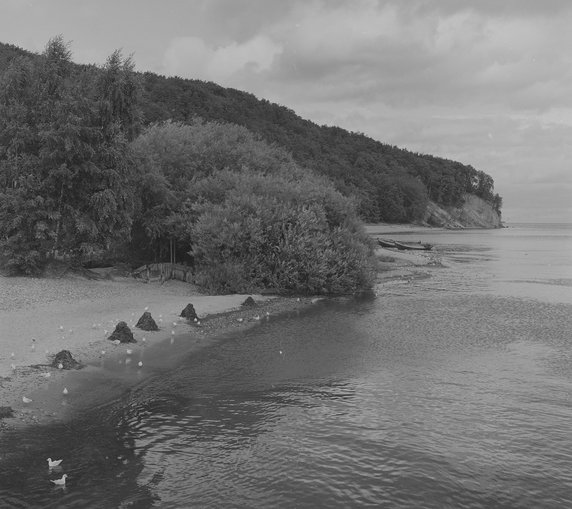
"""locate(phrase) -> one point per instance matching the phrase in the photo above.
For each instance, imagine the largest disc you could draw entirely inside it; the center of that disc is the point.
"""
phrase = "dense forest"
(100, 162)
(390, 184)
(85, 177)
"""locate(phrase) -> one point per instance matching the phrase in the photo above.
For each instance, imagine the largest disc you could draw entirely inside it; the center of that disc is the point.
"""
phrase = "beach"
(40, 317)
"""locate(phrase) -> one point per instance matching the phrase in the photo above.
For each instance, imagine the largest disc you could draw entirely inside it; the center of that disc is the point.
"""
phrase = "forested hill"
(390, 184)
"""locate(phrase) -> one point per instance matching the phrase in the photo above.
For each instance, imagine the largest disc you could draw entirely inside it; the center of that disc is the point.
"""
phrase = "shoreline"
(78, 315)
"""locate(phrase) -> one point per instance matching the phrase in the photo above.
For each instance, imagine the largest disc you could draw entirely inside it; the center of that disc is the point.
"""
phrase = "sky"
(484, 82)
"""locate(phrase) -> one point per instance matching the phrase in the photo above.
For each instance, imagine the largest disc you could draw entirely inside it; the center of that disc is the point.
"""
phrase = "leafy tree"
(64, 183)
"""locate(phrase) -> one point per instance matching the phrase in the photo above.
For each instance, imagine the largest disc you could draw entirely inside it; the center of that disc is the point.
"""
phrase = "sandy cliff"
(474, 213)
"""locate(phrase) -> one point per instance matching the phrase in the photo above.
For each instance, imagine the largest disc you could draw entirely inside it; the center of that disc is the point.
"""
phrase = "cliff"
(474, 213)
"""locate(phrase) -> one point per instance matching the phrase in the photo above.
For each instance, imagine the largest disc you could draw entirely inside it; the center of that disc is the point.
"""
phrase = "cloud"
(193, 58)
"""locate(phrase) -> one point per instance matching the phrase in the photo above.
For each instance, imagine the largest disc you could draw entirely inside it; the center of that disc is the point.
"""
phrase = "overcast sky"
(484, 82)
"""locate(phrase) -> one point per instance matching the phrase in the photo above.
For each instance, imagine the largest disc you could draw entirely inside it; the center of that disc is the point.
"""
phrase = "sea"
(449, 389)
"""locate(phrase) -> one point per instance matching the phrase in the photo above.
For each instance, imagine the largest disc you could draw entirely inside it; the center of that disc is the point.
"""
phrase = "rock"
(189, 313)
(146, 322)
(122, 333)
(6, 411)
(66, 360)
(249, 302)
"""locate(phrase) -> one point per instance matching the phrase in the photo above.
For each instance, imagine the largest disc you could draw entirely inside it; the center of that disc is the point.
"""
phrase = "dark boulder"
(249, 302)
(146, 322)
(189, 313)
(122, 333)
(6, 411)
(65, 360)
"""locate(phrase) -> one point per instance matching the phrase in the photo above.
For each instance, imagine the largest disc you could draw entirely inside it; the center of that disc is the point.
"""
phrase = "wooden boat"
(413, 247)
(386, 243)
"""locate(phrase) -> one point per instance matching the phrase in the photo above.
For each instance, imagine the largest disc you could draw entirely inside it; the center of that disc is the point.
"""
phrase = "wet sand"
(40, 317)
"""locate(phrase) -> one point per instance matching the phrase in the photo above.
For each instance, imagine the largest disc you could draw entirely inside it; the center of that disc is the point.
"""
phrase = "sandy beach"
(42, 316)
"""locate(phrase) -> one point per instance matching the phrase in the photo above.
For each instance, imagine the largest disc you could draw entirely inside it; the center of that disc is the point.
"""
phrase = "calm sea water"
(449, 390)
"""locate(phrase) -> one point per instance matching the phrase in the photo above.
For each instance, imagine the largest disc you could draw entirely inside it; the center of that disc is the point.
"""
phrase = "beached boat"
(413, 247)
(386, 243)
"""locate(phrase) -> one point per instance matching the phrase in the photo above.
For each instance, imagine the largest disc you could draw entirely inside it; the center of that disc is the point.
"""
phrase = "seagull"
(143, 339)
(172, 333)
(13, 366)
(116, 341)
(128, 351)
(53, 463)
(65, 391)
(257, 317)
(60, 366)
(103, 352)
(239, 320)
(195, 319)
(146, 308)
(139, 364)
(61, 481)
(12, 355)
(47, 375)
(26, 400)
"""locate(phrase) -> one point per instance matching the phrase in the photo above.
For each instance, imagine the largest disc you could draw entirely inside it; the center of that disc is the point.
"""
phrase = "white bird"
(139, 364)
(53, 463)
(239, 319)
(26, 400)
(146, 308)
(143, 339)
(61, 327)
(172, 333)
(60, 366)
(12, 355)
(174, 324)
(103, 352)
(47, 375)
(195, 319)
(61, 481)
(128, 351)
(65, 391)
(13, 366)
(257, 317)
(116, 341)
(198, 322)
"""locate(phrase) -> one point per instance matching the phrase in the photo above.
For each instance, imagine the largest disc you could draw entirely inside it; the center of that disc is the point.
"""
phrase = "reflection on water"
(452, 391)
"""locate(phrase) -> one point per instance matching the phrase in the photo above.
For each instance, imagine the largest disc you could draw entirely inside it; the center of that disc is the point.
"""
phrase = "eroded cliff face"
(474, 213)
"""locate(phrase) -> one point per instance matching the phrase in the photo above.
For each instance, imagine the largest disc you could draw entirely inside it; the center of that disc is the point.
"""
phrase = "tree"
(65, 185)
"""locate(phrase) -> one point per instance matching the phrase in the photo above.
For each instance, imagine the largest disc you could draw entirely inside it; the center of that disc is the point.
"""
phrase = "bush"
(291, 232)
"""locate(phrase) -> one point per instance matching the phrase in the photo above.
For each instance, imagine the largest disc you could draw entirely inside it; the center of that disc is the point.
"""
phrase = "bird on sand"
(61, 481)
(65, 391)
(53, 463)
(26, 400)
